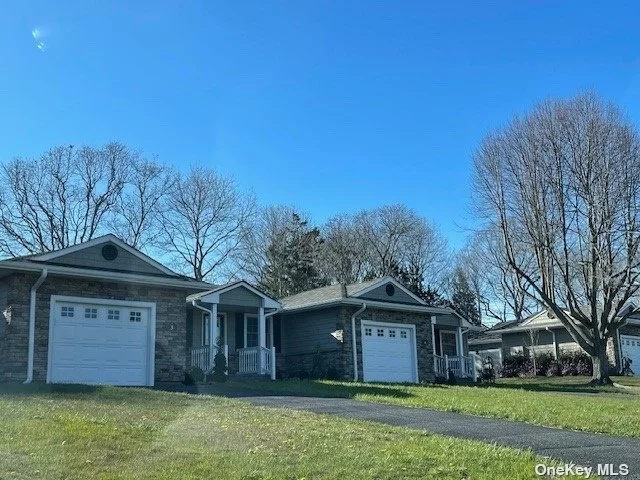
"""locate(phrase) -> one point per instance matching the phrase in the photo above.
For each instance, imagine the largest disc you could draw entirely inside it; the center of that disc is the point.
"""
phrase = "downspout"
(32, 324)
(555, 345)
(353, 340)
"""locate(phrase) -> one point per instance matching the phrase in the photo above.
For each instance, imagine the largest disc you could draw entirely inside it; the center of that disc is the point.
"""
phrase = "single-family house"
(102, 312)
(542, 332)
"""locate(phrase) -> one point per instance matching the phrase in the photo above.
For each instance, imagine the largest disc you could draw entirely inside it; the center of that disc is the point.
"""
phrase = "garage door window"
(367, 332)
(113, 314)
(381, 332)
(90, 313)
(135, 317)
(392, 333)
(403, 334)
(66, 312)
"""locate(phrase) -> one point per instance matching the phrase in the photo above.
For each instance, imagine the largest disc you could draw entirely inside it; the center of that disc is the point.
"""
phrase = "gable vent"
(109, 252)
(390, 289)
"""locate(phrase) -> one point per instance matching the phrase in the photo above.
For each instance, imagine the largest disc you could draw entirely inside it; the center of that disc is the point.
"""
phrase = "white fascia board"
(213, 296)
(475, 341)
(369, 303)
(103, 275)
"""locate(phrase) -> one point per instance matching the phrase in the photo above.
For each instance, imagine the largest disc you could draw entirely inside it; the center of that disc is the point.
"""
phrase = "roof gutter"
(371, 304)
(353, 340)
(32, 323)
(104, 275)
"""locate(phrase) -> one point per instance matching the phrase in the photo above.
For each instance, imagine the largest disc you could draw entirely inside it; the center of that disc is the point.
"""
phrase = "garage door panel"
(630, 346)
(100, 344)
(388, 352)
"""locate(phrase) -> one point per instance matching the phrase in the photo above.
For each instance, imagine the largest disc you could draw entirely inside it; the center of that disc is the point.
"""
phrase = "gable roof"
(350, 294)
(51, 261)
(213, 295)
(109, 238)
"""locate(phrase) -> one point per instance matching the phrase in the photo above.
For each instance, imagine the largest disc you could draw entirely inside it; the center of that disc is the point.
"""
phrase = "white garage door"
(100, 342)
(630, 346)
(388, 352)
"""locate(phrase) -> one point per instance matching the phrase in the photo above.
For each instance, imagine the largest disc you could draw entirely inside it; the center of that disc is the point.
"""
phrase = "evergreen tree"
(292, 260)
(463, 298)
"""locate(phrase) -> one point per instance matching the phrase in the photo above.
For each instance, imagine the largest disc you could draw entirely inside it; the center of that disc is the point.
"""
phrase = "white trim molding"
(385, 280)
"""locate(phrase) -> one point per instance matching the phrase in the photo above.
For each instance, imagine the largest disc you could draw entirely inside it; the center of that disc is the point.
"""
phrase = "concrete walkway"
(581, 448)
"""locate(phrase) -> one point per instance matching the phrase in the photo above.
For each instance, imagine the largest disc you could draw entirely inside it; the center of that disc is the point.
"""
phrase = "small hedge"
(568, 363)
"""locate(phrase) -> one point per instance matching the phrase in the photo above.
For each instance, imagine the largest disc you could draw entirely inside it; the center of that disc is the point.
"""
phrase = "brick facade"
(170, 345)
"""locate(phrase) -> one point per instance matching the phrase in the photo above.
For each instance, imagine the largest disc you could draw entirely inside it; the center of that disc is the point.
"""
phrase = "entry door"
(630, 346)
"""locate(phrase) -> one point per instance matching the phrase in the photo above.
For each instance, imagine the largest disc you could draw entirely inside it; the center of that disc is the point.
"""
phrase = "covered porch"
(244, 329)
(450, 351)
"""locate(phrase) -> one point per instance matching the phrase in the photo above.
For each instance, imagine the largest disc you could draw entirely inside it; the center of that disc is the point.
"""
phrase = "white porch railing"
(200, 357)
(255, 360)
(459, 366)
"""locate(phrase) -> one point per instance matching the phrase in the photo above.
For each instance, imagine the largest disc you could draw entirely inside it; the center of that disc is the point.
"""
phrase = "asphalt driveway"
(581, 448)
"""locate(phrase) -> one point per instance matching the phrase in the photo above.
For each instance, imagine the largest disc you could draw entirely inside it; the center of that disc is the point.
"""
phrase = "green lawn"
(551, 402)
(112, 433)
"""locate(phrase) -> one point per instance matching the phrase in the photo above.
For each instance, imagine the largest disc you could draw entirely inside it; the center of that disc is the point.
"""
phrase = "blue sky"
(328, 106)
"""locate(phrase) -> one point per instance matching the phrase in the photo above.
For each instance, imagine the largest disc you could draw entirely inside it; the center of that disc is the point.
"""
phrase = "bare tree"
(268, 227)
(61, 198)
(501, 294)
(203, 220)
(563, 182)
(137, 215)
(342, 259)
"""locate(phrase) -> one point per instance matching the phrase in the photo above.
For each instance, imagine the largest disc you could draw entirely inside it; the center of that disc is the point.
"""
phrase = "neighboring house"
(102, 312)
(544, 333)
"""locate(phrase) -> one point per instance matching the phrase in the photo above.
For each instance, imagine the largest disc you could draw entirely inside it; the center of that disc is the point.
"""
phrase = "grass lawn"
(541, 401)
(112, 433)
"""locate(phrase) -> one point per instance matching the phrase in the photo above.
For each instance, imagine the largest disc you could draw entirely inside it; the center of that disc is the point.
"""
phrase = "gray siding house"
(543, 333)
(102, 312)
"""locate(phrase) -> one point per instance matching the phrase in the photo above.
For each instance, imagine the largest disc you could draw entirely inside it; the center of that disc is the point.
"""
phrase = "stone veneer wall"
(170, 346)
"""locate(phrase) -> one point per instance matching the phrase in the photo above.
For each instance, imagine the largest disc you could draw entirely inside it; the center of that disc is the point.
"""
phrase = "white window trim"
(246, 316)
(409, 326)
(151, 306)
(448, 332)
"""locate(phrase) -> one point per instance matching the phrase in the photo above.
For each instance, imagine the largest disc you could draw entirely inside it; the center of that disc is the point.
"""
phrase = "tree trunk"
(600, 365)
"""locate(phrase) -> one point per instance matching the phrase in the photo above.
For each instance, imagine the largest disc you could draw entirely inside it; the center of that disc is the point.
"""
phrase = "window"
(392, 333)
(250, 331)
(206, 329)
(403, 334)
(113, 314)
(90, 313)
(135, 317)
(66, 312)
(367, 332)
(381, 332)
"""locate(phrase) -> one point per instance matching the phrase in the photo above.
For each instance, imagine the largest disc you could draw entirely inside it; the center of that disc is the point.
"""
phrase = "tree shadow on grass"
(550, 387)
(302, 388)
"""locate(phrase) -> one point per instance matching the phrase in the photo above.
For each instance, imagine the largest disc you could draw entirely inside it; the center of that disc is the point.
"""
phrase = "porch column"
(460, 347)
(213, 333)
(433, 333)
(262, 328)
(271, 332)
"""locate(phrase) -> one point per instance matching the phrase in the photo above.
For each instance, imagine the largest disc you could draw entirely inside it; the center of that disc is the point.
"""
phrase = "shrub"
(193, 375)
(514, 366)
(333, 373)
(219, 372)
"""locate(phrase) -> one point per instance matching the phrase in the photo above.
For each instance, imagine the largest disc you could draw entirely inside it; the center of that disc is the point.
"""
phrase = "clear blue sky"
(329, 106)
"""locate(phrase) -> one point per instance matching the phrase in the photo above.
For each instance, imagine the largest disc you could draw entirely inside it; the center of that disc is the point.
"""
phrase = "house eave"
(103, 275)
(369, 304)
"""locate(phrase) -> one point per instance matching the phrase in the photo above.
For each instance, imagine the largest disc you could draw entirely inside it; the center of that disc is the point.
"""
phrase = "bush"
(575, 363)
(193, 375)
(515, 366)
(219, 372)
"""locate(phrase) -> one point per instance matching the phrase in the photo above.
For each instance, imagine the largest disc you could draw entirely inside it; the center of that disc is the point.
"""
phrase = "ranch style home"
(102, 312)
(542, 332)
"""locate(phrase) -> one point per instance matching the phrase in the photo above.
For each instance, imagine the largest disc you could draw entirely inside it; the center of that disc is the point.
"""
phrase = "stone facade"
(170, 345)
